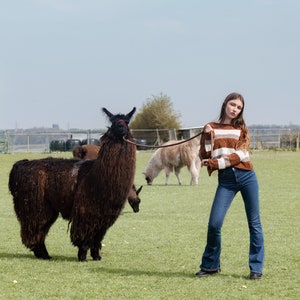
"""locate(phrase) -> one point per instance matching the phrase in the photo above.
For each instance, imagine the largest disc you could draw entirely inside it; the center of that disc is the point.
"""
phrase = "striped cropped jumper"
(224, 146)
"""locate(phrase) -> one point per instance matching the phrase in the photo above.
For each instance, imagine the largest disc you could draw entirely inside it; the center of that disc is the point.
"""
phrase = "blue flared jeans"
(231, 181)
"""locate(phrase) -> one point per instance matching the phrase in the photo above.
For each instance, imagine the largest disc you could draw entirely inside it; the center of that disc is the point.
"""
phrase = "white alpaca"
(173, 158)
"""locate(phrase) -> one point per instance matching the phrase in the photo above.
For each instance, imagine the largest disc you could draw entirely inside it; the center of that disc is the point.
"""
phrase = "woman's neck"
(226, 121)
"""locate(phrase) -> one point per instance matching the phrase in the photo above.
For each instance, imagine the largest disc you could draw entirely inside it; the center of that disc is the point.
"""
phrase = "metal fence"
(274, 138)
(13, 141)
(41, 142)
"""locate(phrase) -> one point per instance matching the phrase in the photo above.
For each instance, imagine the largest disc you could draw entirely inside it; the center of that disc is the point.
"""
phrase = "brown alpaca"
(100, 196)
(42, 189)
(91, 152)
(86, 151)
(96, 189)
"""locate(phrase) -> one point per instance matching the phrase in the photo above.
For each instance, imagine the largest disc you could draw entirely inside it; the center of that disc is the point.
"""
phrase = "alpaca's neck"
(114, 169)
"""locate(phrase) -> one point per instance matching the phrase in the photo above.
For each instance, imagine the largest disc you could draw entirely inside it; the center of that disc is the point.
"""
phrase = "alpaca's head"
(79, 152)
(148, 178)
(134, 199)
(119, 122)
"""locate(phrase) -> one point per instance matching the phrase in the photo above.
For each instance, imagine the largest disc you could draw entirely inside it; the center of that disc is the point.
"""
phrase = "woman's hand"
(208, 129)
(204, 163)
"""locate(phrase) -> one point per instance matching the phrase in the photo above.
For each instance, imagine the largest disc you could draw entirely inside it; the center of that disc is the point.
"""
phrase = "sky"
(61, 61)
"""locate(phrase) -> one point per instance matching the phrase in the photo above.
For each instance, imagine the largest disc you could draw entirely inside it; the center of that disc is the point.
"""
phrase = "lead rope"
(162, 146)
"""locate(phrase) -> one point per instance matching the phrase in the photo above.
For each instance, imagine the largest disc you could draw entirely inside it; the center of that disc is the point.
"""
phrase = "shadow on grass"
(164, 274)
(30, 255)
(127, 272)
(168, 185)
(15, 255)
(119, 271)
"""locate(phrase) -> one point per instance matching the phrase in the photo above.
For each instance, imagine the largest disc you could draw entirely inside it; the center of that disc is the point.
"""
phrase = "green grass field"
(155, 253)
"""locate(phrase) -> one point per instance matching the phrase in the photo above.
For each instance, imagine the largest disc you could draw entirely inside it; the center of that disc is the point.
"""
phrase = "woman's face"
(233, 109)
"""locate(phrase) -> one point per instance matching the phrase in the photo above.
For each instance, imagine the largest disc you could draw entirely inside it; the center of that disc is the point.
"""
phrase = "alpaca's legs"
(40, 251)
(95, 250)
(167, 171)
(167, 178)
(95, 253)
(177, 173)
(79, 239)
(195, 174)
(82, 252)
(34, 234)
(96, 246)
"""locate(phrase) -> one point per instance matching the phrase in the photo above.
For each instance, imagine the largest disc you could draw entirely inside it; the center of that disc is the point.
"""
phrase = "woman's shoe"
(255, 276)
(203, 273)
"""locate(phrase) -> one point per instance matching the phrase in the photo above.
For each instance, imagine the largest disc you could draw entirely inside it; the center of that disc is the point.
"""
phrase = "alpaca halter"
(162, 146)
(122, 122)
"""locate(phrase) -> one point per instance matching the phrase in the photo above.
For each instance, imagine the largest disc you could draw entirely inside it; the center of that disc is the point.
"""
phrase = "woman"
(225, 147)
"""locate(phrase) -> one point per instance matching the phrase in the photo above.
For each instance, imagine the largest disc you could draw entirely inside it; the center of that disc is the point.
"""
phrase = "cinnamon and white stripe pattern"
(223, 144)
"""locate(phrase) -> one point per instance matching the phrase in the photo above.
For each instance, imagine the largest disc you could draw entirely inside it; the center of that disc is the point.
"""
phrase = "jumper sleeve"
(230, 160)
(206, 143)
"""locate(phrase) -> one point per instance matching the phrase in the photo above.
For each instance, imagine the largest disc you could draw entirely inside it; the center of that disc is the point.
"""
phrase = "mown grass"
(154, 254)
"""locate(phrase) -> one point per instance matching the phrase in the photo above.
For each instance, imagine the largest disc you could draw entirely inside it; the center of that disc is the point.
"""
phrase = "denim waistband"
(222, 171)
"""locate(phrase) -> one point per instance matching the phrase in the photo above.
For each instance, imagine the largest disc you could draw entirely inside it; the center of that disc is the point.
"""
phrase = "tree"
(157, 113)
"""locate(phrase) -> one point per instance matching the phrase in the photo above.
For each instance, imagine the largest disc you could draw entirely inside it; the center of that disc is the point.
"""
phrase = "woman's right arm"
(206, 143)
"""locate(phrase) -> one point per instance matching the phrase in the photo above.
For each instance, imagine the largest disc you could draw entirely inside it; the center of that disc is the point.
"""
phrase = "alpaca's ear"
(109, 114)
(139, 189)
(129, 115)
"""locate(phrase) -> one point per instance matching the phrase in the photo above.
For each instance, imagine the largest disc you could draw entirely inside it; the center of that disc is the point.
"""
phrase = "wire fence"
(12, 141)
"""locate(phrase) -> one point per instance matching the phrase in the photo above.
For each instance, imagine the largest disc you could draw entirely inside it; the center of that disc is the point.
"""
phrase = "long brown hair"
(238, 121)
